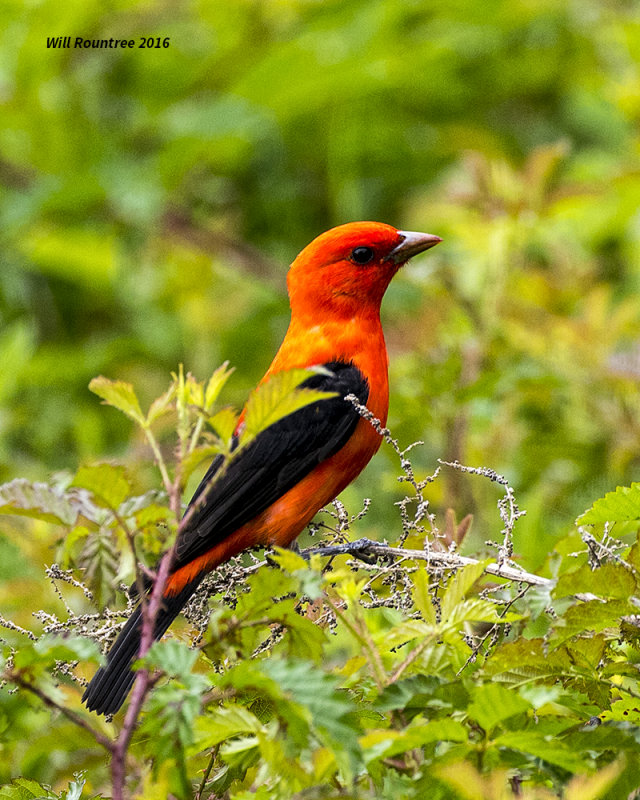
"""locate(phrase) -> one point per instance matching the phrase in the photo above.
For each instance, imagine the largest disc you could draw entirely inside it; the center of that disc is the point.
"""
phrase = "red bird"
(296, 466)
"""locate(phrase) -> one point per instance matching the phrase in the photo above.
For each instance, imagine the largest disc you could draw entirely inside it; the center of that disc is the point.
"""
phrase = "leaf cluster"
(340, 677)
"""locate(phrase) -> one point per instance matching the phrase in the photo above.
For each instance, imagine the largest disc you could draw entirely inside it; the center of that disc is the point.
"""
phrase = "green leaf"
(476, 610)
(624, 709)
(386, 743)
(194, 459)
(224, 423)
(590, 617)
(173, 657)
(310, 579)
(172, 711)
(524, 658)
(108, 483)
(608, 580)
(67, 648)
(120, 395)
(161, 405)
(100, 559)
(36, 500)
(215, 384)
(411, 692)
(621, 505)
(224, 723)
(24, 789)
(289, 560)
(303, 639)
(459, 586)
(318, 692)
(75, 788)
(50, 648)
(422, 596)
(406, 631)
(492, 703)
(548, 748)
(278, 397)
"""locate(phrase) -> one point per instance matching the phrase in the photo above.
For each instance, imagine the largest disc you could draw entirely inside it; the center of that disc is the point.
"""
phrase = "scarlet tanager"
(268, 494)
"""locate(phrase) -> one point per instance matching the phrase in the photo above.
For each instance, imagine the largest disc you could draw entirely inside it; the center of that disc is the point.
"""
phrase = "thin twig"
(143, 678)
(16, 678)
(418, 650)
(207, 772)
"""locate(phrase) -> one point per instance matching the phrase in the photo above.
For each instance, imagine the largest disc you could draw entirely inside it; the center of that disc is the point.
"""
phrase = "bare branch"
(16, 677)
(369, 548)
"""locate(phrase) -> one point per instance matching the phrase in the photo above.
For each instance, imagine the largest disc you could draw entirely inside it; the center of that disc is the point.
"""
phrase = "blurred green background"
(152, 199)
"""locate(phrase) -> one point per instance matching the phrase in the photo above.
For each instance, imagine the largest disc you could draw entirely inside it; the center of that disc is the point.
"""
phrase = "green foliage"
(277, 398)
(302, 683)
(371, 679)
(150, 200)
(623, 505)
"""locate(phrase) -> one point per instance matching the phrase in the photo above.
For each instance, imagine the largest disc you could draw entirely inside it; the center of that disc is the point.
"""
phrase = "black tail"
(110, 685)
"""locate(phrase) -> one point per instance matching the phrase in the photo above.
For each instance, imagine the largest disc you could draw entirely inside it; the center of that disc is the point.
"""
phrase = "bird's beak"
(412, 243)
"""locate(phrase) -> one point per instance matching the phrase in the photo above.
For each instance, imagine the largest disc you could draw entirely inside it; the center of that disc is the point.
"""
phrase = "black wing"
(274, 462)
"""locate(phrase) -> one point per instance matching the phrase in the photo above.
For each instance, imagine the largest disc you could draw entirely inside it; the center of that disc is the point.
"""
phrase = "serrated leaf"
(173, 657)
(386, 743)
(289, 560)
(224, 723)
(317, 692)
(37, 501)
(120, 395)
(608, 580)
(624, 709)
(459, 586)
(100, 559)
(548, 748)
(75, 789)
(422, 596)
(224, 423)
(592, 616)
(633, 557)
(189, 392)
(108, 483)
(67, 648)
(24, 789)
(215, 384)
(161, 405)
(413, 692)
(621, 505)
(405, 631)
(140, 503)
(477, 610)
(493, 703)
(51, 648)
(194, 459)
(304, 639)
(277, 398)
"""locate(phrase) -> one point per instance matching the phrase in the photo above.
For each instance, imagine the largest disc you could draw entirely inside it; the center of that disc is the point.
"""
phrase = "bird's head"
(348, 268)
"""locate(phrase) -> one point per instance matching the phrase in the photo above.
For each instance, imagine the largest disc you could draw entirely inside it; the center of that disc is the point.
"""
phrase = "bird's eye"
(362, 255)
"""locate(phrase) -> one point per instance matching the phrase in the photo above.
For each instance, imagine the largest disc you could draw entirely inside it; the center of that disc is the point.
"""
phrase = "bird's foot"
(360, 549)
